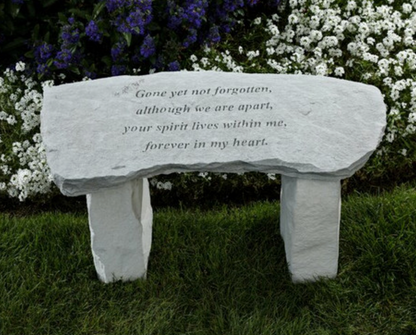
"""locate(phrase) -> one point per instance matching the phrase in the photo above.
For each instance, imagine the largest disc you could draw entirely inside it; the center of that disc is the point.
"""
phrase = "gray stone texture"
(317, 127)
(104, 137)
(310, 212)
(120, 221)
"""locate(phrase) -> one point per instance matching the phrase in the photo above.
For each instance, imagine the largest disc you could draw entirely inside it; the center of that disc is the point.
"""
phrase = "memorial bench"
(105, 137)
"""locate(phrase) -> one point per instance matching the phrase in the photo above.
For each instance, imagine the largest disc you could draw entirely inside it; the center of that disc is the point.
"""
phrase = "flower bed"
(355, 40)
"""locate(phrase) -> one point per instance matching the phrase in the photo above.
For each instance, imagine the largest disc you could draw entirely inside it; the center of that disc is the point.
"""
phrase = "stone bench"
(105, 137)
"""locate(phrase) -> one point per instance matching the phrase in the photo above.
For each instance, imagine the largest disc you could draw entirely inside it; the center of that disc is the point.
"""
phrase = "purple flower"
(214, 35)
(191, 38)
(195, 11)
(130, 16)
(148, 47)
(117, 50)
(43, 52)
(69, 36)
(18, 2)
(42, 69)
(117, 70)
(192, 13)
(93, 32)
(174, 66)
(66, 58)
(63, 59)
(113, 5)
(91, 75)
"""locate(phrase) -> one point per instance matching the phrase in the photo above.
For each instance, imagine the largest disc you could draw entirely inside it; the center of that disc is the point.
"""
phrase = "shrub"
(365, 41)
(23, 169)
(356, 40)
(112, 37)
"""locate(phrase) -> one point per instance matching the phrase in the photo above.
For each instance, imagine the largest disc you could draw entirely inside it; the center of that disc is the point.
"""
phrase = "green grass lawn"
(213, 272)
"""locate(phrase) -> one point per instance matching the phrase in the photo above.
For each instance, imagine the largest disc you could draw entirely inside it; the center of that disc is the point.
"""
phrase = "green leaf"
(75, 70)
(97, 9)
(15, 10)
(153, 26)
(29, 54)
(127, 37)
(78, 12)
(47, 37)
(18, 42)
(35, 33)
(62, 17)
(48, 3)
(31, 8)
(106, 60)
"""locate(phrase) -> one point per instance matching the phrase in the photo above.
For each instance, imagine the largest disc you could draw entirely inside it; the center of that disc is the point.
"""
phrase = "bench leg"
(120, 222)
(309, 224)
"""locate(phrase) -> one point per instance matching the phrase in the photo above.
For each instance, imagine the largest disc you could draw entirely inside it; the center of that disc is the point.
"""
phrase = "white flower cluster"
(23, 168)
(355, 39)
(161, 185)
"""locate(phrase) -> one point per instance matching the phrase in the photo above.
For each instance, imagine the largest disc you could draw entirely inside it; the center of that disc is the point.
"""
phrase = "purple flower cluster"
(117, 70)
(130, 16)
(143, 34)
(43, 53)
(188, 18)
(174, 66)
(70, 37)
(148, 47)
(117, 50)
(93, 32)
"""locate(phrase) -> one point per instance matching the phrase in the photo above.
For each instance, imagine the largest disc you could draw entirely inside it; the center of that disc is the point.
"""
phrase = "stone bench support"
(309, 224)
(121, 229)
(120, 222)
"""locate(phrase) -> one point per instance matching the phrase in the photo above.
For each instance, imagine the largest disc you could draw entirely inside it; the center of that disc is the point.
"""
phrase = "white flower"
(351, 5)
(398, 71)
(271, 176)
(3, 115)
(274, 30)
(253, 54)
(164, 186)
(20, 67)
(339, 71)
(322, 69)
(407, 8)
(257, 21)
(23, 176)
(293, 19)
(270, 51)
(412, 117)
(403, 152)
(193, 58)
(11, 120)
(390, 137)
